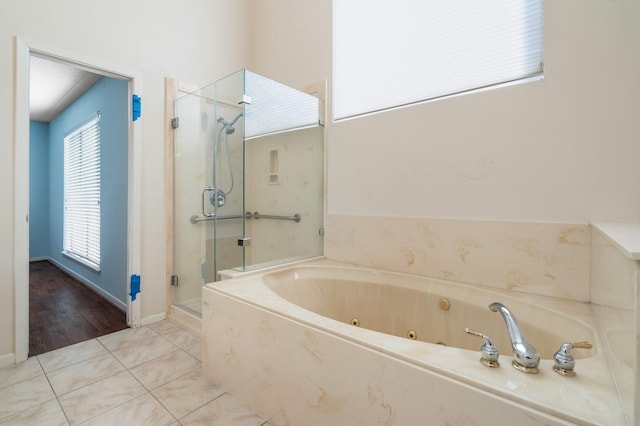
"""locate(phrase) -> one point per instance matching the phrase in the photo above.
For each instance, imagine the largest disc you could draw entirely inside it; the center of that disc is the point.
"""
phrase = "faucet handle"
(564, 361)
(488, 350)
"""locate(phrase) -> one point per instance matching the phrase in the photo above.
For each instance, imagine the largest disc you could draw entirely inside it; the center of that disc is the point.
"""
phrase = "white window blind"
(388, 54)
(270, 108)
(81, 239)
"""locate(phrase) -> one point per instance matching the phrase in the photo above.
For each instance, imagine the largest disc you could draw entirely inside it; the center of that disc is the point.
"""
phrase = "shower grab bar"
(195, 218)
(248, 215)
(296, 217)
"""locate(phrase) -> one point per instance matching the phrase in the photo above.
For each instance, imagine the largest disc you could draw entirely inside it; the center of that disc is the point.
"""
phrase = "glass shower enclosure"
(248, 180)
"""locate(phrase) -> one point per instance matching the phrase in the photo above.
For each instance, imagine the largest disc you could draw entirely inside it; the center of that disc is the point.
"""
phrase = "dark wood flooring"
(62, 311)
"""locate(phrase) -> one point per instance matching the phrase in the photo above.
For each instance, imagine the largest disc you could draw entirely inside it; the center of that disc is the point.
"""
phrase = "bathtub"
(327, 343)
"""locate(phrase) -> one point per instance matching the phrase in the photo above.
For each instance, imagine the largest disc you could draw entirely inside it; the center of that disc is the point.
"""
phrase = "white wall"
(562, 149)
(290, 40)
(195, 40)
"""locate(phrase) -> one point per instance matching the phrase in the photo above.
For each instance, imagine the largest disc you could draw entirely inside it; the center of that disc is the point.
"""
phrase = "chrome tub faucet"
(526, 357)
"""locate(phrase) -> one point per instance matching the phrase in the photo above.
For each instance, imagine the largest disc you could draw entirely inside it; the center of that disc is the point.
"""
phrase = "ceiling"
(53, 86)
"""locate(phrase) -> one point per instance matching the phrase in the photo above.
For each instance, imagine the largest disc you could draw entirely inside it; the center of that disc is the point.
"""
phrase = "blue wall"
(110, 97)
(39, 192)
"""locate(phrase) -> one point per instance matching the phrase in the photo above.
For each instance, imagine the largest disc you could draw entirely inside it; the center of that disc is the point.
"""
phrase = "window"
(82, 193)
(388, 54)
(270, 108)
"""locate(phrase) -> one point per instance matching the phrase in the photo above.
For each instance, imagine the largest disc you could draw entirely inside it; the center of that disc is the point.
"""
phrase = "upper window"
(388, 54)
(81, 236)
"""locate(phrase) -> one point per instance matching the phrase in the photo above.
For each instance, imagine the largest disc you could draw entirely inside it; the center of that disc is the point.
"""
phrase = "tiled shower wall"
(284, 176)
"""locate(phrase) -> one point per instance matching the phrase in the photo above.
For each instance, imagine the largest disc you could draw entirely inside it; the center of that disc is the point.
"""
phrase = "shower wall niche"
(248, 180)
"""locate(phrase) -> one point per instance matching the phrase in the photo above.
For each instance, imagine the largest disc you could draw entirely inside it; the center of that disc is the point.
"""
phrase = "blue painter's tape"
(135, 286)
(136, 107)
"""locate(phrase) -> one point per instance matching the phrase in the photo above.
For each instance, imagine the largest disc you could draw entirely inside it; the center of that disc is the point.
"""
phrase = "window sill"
(81, 260)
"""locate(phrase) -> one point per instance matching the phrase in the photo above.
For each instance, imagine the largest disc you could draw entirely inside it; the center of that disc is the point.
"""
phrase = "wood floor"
(62, 311)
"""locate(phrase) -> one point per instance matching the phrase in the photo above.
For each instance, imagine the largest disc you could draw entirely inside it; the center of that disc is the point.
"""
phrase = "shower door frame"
(176, 94)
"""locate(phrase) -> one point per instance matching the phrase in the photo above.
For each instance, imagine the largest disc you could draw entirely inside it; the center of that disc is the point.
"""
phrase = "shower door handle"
(204, 196)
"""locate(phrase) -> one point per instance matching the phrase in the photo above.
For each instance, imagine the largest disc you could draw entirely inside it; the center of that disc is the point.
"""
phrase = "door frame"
(23, 50)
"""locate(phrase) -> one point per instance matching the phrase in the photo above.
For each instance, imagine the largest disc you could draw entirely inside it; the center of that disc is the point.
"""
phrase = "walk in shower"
(248, 180)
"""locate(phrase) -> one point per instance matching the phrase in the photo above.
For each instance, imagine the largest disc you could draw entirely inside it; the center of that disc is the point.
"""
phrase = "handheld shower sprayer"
(228, 126)
(218, 197)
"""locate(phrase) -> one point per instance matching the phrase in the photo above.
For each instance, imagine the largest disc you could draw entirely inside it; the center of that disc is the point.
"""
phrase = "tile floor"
(145, 376)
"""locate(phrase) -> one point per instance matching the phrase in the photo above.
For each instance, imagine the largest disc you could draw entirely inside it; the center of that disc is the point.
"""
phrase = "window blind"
(270, 108)
(81, 236)
(388, 54)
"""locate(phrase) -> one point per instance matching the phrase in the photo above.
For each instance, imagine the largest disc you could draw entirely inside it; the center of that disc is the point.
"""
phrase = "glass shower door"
(192, 250)
(208, 184)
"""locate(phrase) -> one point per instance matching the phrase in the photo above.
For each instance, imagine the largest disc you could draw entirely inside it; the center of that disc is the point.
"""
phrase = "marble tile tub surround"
(146, 376)
(549, 259)
(597, 263)
(615, 254)
(318, 371)
(615, 279)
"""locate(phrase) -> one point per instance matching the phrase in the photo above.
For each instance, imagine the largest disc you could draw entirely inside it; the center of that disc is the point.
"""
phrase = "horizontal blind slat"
(82, 193)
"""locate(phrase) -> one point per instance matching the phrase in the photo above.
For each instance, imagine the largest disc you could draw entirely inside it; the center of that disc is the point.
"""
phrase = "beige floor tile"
(64, 357)
(187, 394)
(83, 373)
(165, 369)
(46, 414)
(144, 410)
(122, 338)
(225, 410)
(100, 397)
(182, 338)
(163, 327)
(24, 395)
(18, 372)
(195, 349)
(145, 350)
(94, 388)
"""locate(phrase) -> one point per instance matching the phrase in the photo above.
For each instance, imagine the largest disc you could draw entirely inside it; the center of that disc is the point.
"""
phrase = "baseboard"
(38, 259)
(185, 319)
(153, 318)
(7, 359)
(94, 287)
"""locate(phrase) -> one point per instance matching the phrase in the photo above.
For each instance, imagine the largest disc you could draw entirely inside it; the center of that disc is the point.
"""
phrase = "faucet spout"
(526, 357)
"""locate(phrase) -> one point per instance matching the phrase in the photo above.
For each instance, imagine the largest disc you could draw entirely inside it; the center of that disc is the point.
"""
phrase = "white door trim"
(23, 50)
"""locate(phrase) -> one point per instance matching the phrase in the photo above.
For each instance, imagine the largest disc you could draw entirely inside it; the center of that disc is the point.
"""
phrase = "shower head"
(229, 125)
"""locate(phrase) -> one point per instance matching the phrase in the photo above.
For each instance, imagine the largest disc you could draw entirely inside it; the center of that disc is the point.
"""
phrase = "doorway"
(78, 152)
(25, 49)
